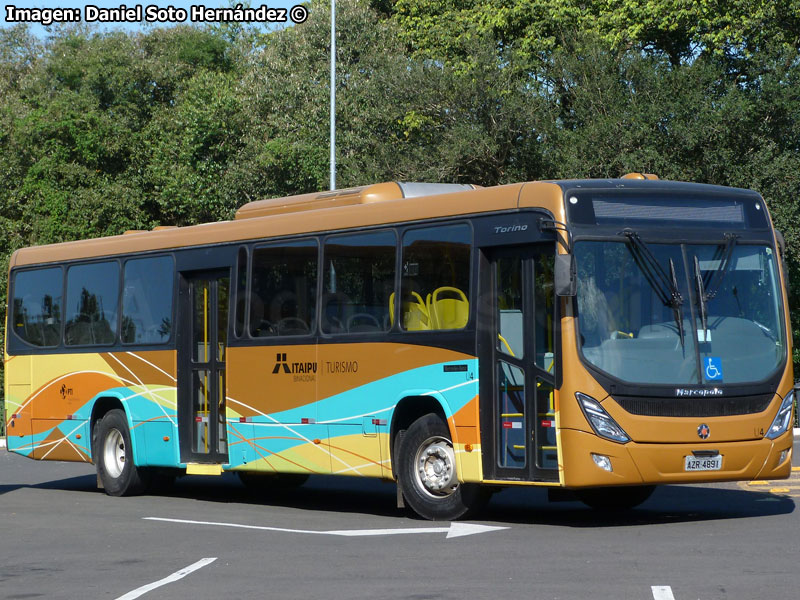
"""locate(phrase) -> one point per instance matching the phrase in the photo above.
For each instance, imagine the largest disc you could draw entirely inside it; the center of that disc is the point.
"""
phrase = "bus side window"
(283, 288)
(92, 299)
(508, 282)
(435, 282)
(544, 303)
(36, 306)
(147, 300)
(256, 309)
(358, 282)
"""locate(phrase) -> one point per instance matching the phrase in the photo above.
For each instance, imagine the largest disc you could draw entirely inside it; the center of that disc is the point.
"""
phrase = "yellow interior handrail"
(507, 345)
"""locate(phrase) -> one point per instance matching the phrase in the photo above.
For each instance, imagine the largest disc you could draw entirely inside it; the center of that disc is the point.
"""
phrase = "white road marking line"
(169, 579)
(662, 592)
(453, 530)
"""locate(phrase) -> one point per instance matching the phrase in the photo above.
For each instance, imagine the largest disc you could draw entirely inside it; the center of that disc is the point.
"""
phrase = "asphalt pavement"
(210, 537)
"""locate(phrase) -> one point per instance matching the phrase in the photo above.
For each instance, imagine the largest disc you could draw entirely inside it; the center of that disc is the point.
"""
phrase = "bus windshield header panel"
(663, 208)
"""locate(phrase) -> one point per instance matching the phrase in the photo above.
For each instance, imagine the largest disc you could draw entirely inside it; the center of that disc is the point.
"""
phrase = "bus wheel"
(114, 457)
(427, 473)
(616, 498)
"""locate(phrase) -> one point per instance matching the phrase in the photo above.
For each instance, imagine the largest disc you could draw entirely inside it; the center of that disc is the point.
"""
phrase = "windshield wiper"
(713, 278)
(708, 286)
(665, 286)
(702, 298)
(676, 309)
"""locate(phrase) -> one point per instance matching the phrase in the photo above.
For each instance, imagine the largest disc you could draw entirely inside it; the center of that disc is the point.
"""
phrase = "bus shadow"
(668, 504)
(529, 506)
(320, 493)
(81, 483)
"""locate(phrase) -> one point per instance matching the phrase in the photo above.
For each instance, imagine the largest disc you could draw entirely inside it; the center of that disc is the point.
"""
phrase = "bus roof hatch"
(378, 192)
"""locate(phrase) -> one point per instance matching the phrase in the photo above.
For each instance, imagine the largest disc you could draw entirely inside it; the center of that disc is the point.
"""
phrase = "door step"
(203, 469)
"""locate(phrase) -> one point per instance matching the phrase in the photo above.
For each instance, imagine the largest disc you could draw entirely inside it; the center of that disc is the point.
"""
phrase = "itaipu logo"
(297, 368)
(301, 371)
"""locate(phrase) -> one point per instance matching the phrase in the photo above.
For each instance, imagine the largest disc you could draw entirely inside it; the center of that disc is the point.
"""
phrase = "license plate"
(710, 463)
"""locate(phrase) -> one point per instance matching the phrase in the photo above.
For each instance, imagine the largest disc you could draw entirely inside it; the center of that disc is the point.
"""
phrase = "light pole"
(333, 94)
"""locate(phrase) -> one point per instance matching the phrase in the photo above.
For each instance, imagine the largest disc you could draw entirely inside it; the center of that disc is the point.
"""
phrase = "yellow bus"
(598, 337)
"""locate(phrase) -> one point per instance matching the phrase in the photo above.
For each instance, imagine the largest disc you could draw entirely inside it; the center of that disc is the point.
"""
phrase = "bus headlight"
(600, 420)
(781, 422)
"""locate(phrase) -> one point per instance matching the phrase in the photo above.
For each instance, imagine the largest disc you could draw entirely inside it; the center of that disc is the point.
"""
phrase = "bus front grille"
(694, 407)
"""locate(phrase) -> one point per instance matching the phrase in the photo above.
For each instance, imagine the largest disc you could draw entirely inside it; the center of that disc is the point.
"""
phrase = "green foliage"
(187, 148)
(677, 29)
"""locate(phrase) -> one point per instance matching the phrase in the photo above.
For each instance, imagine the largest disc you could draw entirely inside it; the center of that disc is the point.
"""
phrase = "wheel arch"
(102, 404)
(411, 407)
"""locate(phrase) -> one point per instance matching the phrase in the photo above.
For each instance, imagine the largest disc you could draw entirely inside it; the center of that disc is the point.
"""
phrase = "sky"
(154, 9)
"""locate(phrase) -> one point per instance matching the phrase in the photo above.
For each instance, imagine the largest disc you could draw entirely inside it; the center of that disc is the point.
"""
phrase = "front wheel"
(113, 457)
(427, 473)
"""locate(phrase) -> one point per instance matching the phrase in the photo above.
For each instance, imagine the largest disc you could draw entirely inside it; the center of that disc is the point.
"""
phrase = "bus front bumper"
(635, 464)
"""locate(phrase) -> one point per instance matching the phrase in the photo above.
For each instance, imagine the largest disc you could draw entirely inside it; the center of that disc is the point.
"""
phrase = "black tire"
(427, 477)
(271, 482)
(616, 498)
(113, 457)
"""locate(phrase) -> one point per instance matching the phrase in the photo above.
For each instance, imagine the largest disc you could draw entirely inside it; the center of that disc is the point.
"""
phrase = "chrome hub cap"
(114, 453)
(436, 467)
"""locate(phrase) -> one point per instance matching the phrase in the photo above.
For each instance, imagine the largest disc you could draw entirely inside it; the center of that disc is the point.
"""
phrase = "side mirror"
(565, 275)
(781, 242)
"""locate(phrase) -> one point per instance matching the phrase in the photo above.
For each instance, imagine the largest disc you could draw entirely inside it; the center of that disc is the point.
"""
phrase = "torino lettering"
(510, 228)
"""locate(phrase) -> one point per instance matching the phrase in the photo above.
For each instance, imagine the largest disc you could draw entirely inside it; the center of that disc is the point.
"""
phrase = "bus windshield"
(712, 316)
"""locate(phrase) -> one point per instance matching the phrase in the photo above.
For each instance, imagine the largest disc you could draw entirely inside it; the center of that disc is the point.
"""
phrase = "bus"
(596, 337)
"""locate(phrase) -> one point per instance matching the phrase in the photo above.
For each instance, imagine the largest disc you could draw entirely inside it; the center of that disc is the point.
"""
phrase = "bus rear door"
(202, 350)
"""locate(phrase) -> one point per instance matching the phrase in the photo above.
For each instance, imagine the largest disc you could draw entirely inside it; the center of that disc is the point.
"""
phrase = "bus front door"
(517, 364)
(201, 367)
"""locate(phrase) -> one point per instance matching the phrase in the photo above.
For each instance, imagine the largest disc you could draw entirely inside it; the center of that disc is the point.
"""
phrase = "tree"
(397, 117)
(533, 28)
(622, 111)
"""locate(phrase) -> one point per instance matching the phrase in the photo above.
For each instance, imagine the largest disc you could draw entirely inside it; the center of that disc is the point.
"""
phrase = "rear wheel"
(427, 473)
(616, 498)
(114, 457)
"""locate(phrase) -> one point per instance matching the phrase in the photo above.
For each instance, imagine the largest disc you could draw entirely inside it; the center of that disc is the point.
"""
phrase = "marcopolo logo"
(698, 393)
(302, 371)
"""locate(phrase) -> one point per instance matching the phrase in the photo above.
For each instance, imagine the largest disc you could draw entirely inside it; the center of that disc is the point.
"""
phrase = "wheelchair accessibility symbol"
(713, 366)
